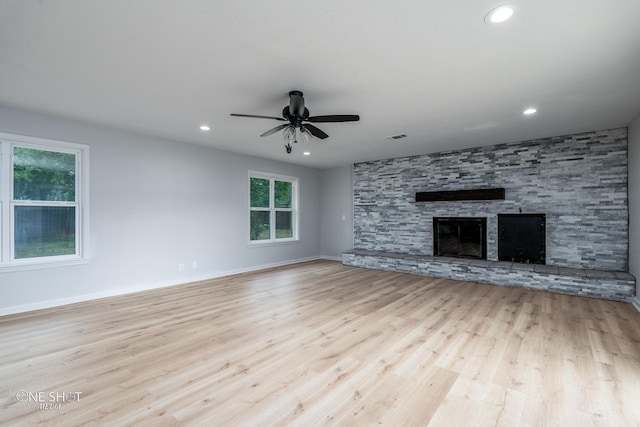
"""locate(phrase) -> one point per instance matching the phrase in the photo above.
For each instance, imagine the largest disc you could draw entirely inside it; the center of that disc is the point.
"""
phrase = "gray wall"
(578, 181)
(634, 202)
(154, 204)
(336, 211)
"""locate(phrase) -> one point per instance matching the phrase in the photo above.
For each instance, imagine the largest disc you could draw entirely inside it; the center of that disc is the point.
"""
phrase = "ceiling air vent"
(400, 136)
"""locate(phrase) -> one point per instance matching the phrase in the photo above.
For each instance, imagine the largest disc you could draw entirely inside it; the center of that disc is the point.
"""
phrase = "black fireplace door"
(521, 238)
(460, 237)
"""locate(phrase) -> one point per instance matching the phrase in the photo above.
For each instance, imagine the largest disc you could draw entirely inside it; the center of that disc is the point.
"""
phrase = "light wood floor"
(319, 343)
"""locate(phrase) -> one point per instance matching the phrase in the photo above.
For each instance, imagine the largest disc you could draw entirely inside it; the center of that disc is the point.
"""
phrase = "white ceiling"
(430, 69)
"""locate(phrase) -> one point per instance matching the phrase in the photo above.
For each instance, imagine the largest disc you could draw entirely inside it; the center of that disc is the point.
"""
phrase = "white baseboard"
(636, 302)
(123, 291)
(331, 258)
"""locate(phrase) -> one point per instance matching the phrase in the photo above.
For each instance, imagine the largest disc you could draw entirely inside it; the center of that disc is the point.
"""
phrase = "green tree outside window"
(272, 209)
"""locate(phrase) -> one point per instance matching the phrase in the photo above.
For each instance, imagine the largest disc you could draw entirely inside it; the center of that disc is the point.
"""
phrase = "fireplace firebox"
(460, 237)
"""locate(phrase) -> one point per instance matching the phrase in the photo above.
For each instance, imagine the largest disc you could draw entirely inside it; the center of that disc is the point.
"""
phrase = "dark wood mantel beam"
(461, 195)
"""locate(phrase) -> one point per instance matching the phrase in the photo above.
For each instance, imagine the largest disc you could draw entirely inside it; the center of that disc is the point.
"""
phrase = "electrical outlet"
(181, 267)
(194, 265)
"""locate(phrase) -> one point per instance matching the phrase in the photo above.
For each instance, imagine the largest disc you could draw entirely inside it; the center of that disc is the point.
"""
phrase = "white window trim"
(295, 203)
(7, 262)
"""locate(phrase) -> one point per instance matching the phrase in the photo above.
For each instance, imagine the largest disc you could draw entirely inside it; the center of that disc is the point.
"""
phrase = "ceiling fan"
(297, 116)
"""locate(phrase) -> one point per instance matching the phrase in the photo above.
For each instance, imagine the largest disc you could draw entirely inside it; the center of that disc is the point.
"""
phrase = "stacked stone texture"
(578, 181)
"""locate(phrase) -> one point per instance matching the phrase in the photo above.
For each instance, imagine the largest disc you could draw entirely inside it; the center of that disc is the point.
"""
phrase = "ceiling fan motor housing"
(296, 110)
(295, 119)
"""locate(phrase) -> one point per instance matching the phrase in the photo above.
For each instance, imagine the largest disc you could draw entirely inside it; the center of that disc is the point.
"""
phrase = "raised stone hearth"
(612, 285)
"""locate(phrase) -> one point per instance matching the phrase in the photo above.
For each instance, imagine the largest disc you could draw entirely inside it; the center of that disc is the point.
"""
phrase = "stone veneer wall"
(578, 181)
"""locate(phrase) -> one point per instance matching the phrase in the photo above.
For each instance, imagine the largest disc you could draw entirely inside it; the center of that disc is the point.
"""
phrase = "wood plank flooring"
(318, 344)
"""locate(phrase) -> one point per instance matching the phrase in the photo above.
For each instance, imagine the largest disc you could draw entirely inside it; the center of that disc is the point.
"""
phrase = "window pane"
(260, 225)
(282, 197)
(42, 231)
(43, 175)
(284, 225)
(259, 193)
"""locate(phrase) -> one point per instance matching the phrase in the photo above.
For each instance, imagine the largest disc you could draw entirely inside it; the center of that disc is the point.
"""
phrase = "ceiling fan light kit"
(296, 113)
(289, 134)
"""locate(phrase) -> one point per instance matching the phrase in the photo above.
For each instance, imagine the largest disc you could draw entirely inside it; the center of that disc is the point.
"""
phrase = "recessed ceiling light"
(306, 153)
(529, 111)
(205, 128)
(499, 14)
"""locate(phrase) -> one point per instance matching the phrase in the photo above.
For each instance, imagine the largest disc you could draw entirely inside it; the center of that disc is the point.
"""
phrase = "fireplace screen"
(460, 237)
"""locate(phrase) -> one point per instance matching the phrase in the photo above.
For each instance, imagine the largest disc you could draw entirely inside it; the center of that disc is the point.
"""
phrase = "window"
(43, 201)
(273, 213)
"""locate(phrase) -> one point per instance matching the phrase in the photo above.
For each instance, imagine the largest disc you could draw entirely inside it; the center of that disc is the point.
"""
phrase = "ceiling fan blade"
(258, 117)
(316, 132)
(275, 129)
(334, 118)
(296, 103)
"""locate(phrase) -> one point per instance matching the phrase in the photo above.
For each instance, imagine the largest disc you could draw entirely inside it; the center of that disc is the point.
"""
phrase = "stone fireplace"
(578, 182)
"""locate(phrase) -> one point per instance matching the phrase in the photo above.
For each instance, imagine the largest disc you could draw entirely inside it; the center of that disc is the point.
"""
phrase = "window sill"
(36, 266)
(263, 243)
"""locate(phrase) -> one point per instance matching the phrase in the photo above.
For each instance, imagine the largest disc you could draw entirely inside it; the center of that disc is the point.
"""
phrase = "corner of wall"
(337, 212)
(634, 203)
